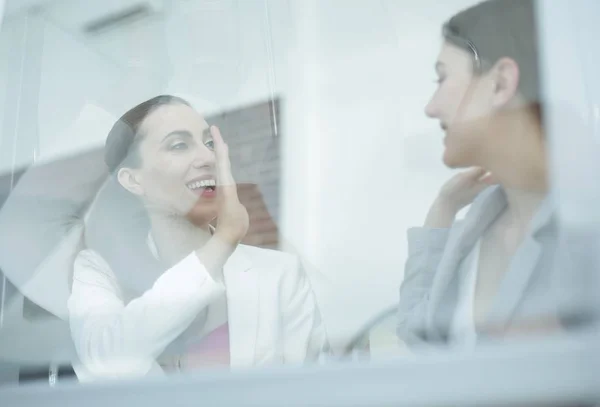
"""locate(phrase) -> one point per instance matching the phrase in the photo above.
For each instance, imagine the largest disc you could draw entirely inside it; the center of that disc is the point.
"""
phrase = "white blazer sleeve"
(303, 332)
(114, 339)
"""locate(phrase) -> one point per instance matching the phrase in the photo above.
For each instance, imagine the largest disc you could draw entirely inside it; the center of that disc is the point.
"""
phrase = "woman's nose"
(431, 109)
(204, 157)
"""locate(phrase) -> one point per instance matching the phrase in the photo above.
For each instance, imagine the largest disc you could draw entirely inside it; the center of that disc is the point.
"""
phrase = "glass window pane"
(397, 176)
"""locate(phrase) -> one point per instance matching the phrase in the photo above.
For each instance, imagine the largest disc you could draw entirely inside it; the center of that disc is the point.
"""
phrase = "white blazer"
(270, 308)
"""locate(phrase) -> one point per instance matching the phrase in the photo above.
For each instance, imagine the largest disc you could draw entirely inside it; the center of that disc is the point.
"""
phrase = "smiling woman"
(177, 149)
(495, 274)
(157, 287)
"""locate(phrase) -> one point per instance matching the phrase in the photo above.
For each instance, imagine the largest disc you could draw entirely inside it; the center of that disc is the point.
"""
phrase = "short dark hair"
(122, 140)
(494, 29)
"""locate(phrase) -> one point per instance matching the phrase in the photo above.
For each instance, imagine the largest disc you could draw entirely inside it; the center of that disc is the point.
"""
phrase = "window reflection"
(124, 227)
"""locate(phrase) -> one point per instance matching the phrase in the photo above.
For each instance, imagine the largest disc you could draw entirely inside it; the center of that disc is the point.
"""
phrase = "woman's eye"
(210, 144)
(179, 146)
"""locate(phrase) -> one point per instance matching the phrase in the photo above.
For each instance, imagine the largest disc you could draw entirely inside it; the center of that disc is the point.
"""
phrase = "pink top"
(212, 350)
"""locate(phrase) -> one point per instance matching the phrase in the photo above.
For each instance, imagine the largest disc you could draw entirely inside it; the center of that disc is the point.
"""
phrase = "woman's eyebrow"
(183, 133)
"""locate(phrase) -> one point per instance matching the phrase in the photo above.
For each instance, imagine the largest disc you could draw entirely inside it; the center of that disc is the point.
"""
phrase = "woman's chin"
(453, 160)
(448, 159)
(202, 214)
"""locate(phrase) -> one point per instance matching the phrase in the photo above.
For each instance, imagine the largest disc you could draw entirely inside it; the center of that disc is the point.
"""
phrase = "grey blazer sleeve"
(425, 249)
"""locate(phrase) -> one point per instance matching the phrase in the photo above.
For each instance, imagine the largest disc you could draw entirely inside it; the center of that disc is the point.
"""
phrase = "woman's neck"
(522, 206)
(175, 236)
(522, 169)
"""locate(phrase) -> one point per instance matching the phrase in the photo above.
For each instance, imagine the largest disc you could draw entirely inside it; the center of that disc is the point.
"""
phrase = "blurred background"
(321, 101)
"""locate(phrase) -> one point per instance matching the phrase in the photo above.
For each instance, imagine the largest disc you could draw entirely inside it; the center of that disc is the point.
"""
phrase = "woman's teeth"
(207, 183)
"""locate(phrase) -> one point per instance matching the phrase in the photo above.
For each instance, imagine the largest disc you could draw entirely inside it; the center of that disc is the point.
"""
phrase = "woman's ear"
(128, 179)
(505, 75)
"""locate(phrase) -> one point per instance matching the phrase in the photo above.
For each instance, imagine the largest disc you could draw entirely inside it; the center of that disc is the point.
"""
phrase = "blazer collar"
(522, 267)
(484, 211)
(242, 293)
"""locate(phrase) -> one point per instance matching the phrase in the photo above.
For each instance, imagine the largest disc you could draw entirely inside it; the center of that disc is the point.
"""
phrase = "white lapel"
(242, 307)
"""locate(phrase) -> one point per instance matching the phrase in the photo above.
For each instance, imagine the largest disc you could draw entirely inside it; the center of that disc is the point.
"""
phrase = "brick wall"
(253, 139)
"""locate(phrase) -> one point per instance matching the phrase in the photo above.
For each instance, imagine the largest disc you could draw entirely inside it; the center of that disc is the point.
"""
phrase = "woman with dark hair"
(157, 285)
(494, 273)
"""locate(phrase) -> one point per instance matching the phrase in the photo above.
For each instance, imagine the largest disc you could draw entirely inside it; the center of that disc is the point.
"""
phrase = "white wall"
(3, 68)
(80, 91)
(8, 34)
(573, 106)
(365, 159)
(361, 161)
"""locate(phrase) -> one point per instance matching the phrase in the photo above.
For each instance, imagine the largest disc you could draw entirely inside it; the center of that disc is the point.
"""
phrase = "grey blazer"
(545, 279)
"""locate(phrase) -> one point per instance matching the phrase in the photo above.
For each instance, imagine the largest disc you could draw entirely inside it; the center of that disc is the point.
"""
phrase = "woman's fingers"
(488, 179)
(480, 176)
(233, 220)
(474, 173)
(225, 180)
